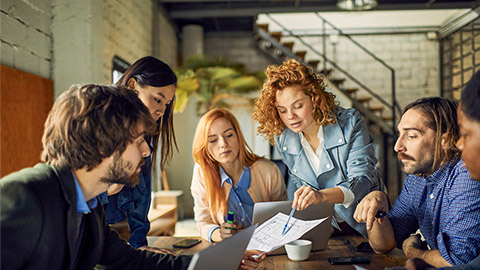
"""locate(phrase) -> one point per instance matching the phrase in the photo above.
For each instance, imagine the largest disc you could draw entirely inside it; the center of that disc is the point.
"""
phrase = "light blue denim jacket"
(348, 160)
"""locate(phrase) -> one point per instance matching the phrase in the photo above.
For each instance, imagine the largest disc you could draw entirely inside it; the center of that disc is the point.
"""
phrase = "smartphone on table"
(349, 260)
(364, 247)
(186, 243)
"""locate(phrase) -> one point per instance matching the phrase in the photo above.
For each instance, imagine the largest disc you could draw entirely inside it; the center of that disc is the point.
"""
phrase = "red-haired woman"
(327, 149)
(228, 176)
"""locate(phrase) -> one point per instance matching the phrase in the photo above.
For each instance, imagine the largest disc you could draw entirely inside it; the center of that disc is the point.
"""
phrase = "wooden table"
(338, 246)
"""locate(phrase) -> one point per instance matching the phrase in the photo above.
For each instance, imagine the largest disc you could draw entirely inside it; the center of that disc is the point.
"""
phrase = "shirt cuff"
(210, 232)
(348, 196)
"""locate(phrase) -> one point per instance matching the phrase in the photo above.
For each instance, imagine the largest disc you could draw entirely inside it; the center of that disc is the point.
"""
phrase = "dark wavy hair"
(91, 122)
(150, 71)
(470, 100)
(441, 115)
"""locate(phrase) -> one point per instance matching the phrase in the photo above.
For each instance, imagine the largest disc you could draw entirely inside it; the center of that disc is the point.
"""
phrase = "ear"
(445, 142)
(132, 84)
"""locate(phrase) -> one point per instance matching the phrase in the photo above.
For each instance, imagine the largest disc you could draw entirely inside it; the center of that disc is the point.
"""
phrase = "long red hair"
(209, 166)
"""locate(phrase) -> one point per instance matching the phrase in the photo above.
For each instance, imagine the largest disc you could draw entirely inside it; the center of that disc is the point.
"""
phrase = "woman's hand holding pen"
(229, 229)
(305, 196)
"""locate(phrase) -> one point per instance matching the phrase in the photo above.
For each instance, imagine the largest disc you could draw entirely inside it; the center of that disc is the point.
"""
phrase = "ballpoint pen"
(289, 216)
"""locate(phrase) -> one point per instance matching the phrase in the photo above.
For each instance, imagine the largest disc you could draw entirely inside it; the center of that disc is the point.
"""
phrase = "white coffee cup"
(298, 250)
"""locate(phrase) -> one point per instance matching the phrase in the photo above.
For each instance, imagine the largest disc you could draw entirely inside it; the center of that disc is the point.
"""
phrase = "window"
(119, 66)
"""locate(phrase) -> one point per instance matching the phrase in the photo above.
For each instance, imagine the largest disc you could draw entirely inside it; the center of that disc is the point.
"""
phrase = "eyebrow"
(228, 129)
(162, 95)
(300, 99)
(414, 129)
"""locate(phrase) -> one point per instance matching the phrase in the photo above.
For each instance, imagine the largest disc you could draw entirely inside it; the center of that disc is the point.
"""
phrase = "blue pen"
(289, 216)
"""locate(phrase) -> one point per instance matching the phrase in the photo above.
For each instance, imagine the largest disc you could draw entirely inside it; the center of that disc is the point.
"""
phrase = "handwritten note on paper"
(269, 236)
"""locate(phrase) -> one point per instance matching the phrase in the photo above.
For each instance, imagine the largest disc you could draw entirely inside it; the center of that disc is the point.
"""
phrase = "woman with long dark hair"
(155, 83)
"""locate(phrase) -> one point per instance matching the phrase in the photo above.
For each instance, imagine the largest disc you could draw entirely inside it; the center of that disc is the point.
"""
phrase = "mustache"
(404, 156)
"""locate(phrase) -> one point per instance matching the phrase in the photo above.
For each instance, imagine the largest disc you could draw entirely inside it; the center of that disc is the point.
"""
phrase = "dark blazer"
(38, 228)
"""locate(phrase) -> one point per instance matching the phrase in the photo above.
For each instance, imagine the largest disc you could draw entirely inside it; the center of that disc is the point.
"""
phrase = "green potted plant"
(215, 82)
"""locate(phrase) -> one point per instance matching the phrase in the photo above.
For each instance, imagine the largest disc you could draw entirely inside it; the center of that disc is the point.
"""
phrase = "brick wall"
(26, 38)
(127, 31)
(414, 58)
(167, 41)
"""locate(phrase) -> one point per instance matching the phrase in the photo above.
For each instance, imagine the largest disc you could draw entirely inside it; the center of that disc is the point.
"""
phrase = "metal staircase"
(380, 114)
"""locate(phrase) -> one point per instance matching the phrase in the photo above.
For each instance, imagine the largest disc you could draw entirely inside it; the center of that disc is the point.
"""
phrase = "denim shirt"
(239, 201)
(132, 204)
(347, 160)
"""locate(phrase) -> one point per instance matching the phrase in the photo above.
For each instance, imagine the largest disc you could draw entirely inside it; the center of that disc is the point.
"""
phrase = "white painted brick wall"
(168, 42)
(26, 38)
(128, 31)
(414, 58)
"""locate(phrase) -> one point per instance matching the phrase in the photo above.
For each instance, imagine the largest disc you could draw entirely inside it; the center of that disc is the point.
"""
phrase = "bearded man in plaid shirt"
(439, 196)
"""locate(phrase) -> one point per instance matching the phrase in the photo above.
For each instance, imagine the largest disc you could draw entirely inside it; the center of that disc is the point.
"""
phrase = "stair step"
(326, 72)
(264, 26)
(387, 118)
(288, 44)
(276, 35)
(313, 63)
(351, 91)
(376, 109)
(301, 54)
(364, 99)
(337, 81)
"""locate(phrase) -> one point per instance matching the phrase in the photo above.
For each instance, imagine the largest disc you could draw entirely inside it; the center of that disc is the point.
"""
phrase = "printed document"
(268, 236)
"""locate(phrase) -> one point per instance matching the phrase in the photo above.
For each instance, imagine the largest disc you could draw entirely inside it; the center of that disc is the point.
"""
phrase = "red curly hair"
(291, 73)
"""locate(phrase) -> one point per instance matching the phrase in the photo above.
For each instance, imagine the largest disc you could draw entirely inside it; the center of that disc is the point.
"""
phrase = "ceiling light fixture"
(356, 5)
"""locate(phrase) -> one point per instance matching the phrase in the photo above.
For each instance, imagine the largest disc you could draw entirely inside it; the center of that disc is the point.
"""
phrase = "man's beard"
(419, 168)
(118, 173)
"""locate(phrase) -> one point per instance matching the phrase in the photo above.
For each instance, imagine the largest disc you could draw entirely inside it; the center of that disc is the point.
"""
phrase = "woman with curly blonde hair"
(228, 176)
(327, 149)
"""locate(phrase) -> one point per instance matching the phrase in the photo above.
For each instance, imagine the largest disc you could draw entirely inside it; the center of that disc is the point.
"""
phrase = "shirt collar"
(320, 137)
(225, 178)
(440, 172)
(83, 207)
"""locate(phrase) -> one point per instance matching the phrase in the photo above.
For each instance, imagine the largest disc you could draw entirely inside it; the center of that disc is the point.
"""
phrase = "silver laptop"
(225, 255)
(319, 235)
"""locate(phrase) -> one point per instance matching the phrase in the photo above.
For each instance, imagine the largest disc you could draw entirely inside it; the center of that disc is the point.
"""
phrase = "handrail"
(394, 105)
(392, 70)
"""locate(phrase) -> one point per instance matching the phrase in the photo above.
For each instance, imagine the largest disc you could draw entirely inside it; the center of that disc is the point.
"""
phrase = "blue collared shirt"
(445, 206)
(239, 201)
(83, 207)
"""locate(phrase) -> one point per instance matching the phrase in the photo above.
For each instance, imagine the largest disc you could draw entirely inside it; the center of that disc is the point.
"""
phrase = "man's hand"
(410, 244)
(249, 262)
(367, 209)
(157, 250)
(417, 264)
(305, 196)
(225, 232)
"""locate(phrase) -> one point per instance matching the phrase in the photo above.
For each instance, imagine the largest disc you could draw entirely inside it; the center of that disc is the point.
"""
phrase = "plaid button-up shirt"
(445, 206)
